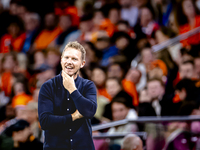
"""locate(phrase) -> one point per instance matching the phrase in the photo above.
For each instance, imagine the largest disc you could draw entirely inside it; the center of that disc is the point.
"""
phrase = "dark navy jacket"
(55, 106)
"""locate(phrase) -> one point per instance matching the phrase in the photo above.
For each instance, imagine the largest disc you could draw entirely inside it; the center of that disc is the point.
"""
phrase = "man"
(66, 103)
(51, 31)
(19, 137)
(121, 109)
(157, 103)
(187, 70)
(32, 23)
(132, 142)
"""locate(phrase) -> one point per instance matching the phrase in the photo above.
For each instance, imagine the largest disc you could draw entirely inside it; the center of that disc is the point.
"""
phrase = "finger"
(65, 74)
(65, 78)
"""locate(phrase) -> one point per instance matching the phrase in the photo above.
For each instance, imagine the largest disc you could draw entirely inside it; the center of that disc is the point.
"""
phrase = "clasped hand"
(76, 115)
(68, 82)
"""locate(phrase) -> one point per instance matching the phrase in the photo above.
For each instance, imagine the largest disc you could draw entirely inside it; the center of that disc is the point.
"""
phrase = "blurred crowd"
(131, 79)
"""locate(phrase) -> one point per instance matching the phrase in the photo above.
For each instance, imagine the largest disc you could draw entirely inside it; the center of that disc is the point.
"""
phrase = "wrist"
(71, 90)
(73, 117)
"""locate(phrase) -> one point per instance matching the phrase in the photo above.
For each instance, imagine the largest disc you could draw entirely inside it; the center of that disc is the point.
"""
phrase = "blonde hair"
(77, 46)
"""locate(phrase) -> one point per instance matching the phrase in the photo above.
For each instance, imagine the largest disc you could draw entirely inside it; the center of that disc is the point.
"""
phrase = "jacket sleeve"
(45, 110)
(86, 103)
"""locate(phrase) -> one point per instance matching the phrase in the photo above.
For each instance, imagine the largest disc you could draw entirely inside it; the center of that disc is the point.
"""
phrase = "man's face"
(71, 61)
(182, 94)
(119, 111)
(13, 30)
(122, 27)
(115, 71)
(50, 21)
(9, 63)
(98, 76)
(186, 71)
(32, 115)
(122, 43)
(30, 23)
(155, 89)
(22, 135)
(64, 22)
(112, 87)
(147, 56)
(114, 15)
(98, 18)
(188, 8)
(18, 88)
(53, 59)
(86, 26)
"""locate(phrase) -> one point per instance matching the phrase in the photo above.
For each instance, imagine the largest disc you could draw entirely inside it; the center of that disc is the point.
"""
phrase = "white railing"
(175, 40)
(145, 120)
(143, 135)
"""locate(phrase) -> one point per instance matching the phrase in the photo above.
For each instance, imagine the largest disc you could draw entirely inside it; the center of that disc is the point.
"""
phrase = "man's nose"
(69, 61)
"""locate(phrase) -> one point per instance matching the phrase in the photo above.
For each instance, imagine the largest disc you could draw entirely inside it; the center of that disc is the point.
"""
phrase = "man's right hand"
(76, 115)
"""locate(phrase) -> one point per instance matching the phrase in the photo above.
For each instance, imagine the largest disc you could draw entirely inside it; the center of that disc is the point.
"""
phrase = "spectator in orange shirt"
(117, 70)
(103, 23)
(115, 90)
(129, 83)
(14, 39)
(98, 76)
(67, 8)
(188, 18)
(32, 25)
(9, 66)
(20, 93)
(65, 22)
(150, 62)
(49, 34)
(114, 13)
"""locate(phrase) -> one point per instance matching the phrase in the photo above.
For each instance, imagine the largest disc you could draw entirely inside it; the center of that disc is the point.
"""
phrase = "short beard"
(74, 74)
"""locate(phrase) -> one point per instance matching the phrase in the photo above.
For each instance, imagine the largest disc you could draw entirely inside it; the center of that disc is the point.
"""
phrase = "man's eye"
(74, 59)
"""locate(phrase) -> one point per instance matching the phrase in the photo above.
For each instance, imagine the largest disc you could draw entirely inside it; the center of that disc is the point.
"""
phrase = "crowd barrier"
(143, 135)
(145, 120)
(166, 44)
(175, 40)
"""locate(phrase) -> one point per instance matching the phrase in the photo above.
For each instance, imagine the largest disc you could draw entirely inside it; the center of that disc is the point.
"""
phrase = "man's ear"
(83, 63)
(61, 60)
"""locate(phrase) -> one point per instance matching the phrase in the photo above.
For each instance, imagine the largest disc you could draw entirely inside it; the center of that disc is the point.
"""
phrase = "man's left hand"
(68, 82)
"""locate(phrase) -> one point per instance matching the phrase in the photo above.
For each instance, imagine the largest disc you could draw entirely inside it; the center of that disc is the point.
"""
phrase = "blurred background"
(142, 55)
